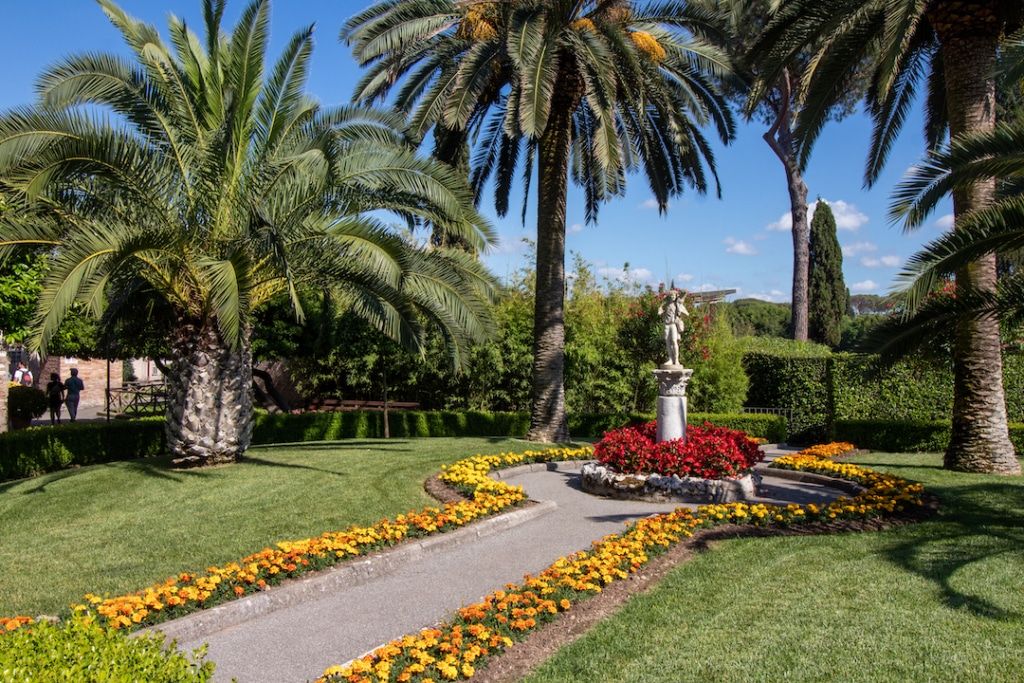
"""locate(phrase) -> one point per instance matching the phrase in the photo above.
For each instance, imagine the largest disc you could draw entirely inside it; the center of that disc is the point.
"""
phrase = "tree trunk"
(548, 421)
(4, 364)
(968, 34)
(210, 410)
(780, 138)
(801, 250)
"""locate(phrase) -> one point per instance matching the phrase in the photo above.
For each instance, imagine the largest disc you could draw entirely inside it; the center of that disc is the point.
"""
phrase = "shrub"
(24, 404)
(79, 650)
(708, 452)
(906, 436)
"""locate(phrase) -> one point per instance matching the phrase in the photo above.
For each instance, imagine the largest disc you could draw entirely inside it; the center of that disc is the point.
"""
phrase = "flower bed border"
(490, 627)
(187, 593)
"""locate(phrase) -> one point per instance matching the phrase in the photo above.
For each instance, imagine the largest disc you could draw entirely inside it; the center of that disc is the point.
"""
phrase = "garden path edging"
(354, 572)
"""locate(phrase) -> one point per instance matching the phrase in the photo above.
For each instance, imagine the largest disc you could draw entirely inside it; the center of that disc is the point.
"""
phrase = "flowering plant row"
(708, 452)
(185, 593)
(829, 450)
(452, 651)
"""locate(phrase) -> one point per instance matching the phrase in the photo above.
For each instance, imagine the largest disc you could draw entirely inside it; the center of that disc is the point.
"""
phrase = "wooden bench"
(344, 405)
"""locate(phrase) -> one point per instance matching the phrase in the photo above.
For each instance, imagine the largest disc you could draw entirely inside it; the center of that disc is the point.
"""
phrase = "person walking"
(23, 375)
(74, 386)
(55, 397)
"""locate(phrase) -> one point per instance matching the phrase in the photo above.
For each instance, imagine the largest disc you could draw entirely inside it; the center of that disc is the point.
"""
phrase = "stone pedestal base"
(672, 406)
(603, 481)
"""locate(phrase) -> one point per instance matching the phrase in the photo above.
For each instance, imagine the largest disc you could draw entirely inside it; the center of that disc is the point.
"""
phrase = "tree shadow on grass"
(157, 468)
(978, 523)
(250, 460)
(387, 446)
(161, 468)
(40, 482)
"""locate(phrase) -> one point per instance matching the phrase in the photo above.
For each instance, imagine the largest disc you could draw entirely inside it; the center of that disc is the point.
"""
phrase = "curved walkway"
(297, 642)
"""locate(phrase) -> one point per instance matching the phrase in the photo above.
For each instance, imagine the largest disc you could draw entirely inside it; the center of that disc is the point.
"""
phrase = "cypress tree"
(828, 296)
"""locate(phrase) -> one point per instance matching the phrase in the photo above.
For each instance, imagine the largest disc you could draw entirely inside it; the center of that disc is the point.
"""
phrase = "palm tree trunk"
(968, 33)
(210, 410)
(548, 421)
(3, 386)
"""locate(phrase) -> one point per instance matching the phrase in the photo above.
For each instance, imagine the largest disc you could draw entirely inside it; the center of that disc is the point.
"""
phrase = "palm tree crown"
(595, 88)
(190, 171)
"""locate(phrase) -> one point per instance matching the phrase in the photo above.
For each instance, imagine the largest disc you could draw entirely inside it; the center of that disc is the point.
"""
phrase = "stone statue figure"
(671, 313)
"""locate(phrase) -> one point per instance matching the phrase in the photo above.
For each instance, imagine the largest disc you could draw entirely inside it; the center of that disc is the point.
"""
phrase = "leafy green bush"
(77, 650)
(783, 347)
(907, 436)
(24, 404)
(719, 382)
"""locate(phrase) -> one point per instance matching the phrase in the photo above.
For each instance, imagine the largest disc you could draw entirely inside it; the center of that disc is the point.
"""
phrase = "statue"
(671, 313)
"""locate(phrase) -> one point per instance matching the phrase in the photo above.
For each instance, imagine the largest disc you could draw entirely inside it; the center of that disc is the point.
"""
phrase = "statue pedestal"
(672, 381)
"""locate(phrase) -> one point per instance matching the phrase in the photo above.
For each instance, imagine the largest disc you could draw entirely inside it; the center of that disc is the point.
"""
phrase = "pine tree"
(829, 298)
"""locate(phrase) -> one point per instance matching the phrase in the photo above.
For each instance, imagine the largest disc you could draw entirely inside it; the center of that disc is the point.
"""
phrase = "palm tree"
(194, 175)
(951, 46)
(995, 229)
(595, 88)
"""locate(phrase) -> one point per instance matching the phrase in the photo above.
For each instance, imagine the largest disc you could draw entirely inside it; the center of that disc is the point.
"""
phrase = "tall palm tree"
(951, 46)
(996, 229)
(595, 88)
(193, 174)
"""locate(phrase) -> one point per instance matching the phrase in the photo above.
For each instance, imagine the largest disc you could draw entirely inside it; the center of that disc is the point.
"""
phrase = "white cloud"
(885, 261)
(510, 246)
(773, 296)
(575, 228)
(864, 287)
(684, 277)
(784, 224)
(847, 215)
(859, 248)
(652, 204)
(739, 247)
(945, 222)
(623, 275)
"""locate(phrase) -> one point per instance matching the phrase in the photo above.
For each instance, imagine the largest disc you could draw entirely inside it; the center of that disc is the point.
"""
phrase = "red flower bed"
(709, 452)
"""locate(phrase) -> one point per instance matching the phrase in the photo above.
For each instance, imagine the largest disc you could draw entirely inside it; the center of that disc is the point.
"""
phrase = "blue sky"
(741, 241)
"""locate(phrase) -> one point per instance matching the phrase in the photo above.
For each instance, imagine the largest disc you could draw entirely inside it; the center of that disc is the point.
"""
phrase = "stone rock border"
(600, 480)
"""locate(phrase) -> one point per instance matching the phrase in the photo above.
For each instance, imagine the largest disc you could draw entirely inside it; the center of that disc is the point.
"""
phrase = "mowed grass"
(117, 528)
(938, 601)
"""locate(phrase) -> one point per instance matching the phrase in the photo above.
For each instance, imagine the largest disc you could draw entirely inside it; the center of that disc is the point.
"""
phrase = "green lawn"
(938, 601)
(119, 527)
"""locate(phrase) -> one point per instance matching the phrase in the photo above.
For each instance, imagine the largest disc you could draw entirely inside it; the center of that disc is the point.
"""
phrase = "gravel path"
(296, 643)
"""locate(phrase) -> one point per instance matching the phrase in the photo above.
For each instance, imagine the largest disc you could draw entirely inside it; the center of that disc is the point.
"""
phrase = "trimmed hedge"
(46, 449)
(907, 436)
(26, 452)
(820, 390)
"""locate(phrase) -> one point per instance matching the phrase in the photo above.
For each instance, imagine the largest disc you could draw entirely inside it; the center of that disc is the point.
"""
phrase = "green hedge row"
(821, 390)
(46, 449)
(907, 436)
